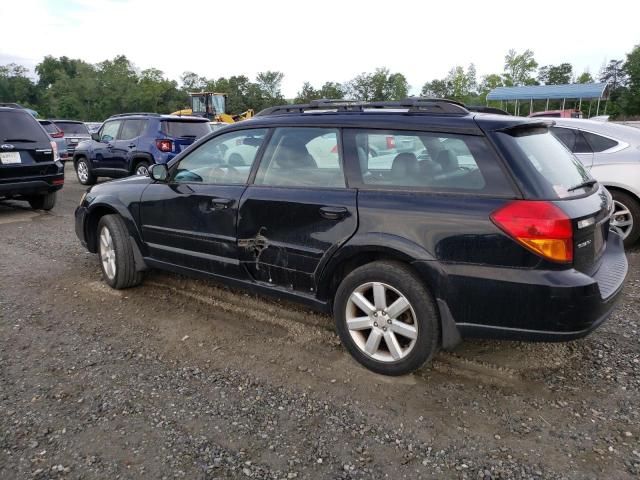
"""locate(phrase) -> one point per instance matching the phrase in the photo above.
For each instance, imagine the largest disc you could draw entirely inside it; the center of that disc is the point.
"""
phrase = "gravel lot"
(182, 378)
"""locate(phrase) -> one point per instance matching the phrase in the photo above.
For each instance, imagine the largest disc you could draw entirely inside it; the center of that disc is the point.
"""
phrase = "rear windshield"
(72, 128)
(185, 129)
(20, 126)
(49, 127)
(556, 171)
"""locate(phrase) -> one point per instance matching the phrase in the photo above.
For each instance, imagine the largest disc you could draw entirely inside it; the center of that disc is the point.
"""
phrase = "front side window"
(427, 161)
(302, 157)
(225, 160)
(110, 131)
(131, 129)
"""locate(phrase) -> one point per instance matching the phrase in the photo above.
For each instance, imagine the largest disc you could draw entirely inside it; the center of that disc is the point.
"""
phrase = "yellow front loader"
(212, 106)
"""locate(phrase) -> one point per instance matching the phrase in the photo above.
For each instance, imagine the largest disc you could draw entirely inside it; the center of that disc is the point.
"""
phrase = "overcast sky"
(318, 40)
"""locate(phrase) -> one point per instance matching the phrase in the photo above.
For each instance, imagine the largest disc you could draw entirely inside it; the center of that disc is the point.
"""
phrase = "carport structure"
(571, 91)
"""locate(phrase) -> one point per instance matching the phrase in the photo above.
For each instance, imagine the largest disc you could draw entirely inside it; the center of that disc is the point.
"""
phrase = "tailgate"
(590, 216)
(26, 162)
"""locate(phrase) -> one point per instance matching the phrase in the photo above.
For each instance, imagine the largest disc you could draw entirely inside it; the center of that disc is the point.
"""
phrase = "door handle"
(132, 145)
(221, 203)
(333, 213)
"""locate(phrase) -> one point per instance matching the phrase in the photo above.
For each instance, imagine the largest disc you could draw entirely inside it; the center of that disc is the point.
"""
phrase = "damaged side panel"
(285, 235)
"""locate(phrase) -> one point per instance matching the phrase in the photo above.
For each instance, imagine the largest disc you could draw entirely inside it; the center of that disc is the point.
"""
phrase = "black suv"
(30, 168)
(462, 225)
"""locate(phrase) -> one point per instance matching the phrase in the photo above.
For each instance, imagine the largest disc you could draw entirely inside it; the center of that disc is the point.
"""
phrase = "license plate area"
(10, 158)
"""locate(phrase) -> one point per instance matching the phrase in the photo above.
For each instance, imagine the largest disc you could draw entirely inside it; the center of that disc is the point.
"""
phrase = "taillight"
(334, 149)
(164, 145)
(57, 135)
(391, 141)
(540, 226)
(54, 149)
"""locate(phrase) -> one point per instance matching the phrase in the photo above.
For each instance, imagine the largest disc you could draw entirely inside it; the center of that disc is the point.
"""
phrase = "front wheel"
(386, 318)
(626, 217)
(43, 202)
(116, 253)
(83, 172)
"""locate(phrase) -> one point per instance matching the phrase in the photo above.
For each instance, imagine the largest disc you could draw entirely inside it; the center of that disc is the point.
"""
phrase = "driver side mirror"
(159, 172)
(96, 136)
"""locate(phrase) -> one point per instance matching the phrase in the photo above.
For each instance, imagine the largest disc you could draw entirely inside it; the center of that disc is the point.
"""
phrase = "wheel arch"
(137, 158)
(99, 209)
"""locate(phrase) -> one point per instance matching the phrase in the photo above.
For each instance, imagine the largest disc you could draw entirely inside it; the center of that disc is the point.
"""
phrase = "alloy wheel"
(621, 220)
(142, 170)
(381, 322)
(107, 253)
(83, 171)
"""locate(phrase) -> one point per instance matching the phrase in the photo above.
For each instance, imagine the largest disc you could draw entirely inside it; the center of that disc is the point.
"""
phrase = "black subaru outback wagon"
(414, 223)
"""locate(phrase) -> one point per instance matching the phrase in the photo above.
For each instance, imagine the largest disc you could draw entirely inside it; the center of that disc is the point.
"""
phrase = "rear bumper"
(533, 305)
(30, 186)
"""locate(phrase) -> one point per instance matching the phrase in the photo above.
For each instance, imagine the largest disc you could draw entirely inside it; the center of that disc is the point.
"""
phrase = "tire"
(397, 281)
(43, 202)
(626, 209)
(142, 168)
(84, 173)
(116, 253)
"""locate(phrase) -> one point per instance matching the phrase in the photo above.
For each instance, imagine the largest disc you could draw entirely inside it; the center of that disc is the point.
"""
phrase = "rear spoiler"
(515, 128)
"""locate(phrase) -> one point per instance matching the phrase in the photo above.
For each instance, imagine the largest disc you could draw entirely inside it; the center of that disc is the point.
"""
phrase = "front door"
(103, 149)
(298, 210)
(191, 220)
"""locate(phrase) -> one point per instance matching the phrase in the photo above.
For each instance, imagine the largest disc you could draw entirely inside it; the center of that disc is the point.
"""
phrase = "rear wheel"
(626, 217)
(83, 172)
(43, 202)
(386, 318)
(142, 168)
(116, 253)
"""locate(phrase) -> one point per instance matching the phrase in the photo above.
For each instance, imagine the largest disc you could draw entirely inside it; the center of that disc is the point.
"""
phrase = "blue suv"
(129, 143)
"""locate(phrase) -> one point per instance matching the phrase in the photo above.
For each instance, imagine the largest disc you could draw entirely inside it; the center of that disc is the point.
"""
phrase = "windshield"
(556, 170)
(19, 125)
(72, 128)
(186, 129)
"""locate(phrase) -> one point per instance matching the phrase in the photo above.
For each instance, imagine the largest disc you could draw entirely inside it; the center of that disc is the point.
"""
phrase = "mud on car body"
(480, 226)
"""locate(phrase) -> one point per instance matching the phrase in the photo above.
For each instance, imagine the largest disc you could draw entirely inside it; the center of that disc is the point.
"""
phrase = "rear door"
(126, 143)
(25, 148)
(191, 221)
(298, 211)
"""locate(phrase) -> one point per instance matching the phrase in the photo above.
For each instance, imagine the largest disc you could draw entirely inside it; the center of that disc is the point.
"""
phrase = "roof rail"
(483, 109)
(412, 104)
(152, 114)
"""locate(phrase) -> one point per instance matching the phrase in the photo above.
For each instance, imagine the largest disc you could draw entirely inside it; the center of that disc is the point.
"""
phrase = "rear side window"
(132, 129)
(598, 142)
(540, 159)
(18, 126)
(572, 138)
(72, 128)
(302, 157)
(185, 129)
(426, 161)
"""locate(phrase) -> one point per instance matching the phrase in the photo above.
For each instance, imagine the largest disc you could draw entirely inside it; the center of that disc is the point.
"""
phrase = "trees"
(555, 74)
(584, 77)
(631, 95)
(458, 85)
(380, 85)
(519, 67)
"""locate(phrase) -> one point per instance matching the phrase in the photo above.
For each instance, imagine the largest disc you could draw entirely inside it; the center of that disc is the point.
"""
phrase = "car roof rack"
(412, 105)
(152, 114)
(484, 109)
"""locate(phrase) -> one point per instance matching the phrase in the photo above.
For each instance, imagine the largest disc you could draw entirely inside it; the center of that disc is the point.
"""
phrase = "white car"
(611, 152)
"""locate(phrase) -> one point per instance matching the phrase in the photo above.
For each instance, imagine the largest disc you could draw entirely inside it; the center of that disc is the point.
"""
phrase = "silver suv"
(612, 154)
